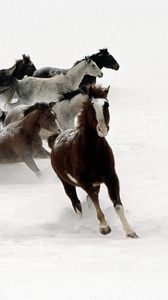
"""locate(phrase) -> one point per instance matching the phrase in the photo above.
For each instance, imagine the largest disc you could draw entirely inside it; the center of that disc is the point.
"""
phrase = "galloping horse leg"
(89, 201)
(28, 160)
(70, 190)
(113, 190)
(93, 195)
(42, 153)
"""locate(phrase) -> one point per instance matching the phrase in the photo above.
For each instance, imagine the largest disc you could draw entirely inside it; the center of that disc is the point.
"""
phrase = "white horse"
(66, 110)
(70, 106)
(31, 89)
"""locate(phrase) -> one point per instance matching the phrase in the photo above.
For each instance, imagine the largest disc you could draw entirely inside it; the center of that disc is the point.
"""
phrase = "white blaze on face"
(98, 104)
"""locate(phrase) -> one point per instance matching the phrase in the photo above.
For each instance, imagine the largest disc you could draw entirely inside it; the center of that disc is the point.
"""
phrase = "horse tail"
(7, 91)
(51, 140)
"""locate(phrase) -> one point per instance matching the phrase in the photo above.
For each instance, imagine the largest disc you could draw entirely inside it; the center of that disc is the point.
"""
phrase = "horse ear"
(26, 57)
(104, 51)
(88, 59)
(107, 89)
(51, 104)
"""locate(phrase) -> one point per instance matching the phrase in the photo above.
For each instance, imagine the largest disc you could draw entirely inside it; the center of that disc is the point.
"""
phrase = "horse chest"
(89, 165)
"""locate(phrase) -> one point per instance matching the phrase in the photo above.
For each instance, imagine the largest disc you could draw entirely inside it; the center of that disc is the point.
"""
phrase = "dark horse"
(20, 141)
(103, 59)
(82, 157)
(21, 68)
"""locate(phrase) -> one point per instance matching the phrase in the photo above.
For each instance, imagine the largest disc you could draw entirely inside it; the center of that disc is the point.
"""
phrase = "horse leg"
(70, 190)
(89, 201)
(42, 153)
(28, 160)
(114, 193)
(93, 195)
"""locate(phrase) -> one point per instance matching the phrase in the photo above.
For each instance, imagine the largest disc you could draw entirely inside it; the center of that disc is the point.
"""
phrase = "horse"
(20, 141)
(81, 157)
(21, 68)
(68, 107)
(102, 58)
(32, 89)
(20, 111)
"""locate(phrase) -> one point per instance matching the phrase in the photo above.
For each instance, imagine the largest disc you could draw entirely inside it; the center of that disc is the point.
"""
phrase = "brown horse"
(20, 141)
(82, 157)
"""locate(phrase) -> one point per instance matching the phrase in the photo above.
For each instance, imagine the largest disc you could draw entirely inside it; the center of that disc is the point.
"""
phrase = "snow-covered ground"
(48, 252)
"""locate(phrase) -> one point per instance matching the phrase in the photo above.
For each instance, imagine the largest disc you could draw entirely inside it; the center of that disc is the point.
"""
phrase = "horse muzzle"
(102, 131)
(101, 75)
(116, 67)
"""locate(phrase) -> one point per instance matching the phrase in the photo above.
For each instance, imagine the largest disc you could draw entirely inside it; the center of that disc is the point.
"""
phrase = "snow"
(46, 250)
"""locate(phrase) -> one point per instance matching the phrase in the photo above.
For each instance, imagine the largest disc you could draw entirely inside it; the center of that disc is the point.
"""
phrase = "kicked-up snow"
(48, 252)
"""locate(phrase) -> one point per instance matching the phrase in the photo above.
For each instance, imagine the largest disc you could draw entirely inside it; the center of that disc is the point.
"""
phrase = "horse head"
(28, 65)
(48, 119)
(23, 67)
(107, 60)
(95, 112)
(46, 116)
(99, 120)
(91, 68)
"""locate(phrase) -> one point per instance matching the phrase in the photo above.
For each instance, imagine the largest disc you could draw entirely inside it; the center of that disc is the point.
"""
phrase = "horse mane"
(97, 91)
(103, 51)
(78, 61)
(37, 105)
(84, 91)
(93, 92)
(18, 61)
(70, 94)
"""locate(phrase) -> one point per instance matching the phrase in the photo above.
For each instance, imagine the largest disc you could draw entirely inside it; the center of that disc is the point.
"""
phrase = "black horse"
(21, 68)
(103, 59)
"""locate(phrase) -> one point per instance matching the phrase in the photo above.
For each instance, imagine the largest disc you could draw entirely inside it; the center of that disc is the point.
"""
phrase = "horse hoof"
(39, 174)
(133, 235)
(105, 230)
(78, 208)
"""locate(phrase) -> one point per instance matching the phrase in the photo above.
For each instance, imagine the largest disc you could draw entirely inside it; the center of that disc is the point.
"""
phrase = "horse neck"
(31, 123)
(76, 74)
(18, 72)
(89, 135)
(98, 60)
(11, 70)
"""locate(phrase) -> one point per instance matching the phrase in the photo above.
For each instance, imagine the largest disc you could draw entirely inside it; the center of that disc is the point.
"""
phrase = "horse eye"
(93, 65)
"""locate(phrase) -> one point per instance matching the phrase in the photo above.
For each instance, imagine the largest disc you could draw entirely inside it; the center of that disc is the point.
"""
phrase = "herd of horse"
(66, 107)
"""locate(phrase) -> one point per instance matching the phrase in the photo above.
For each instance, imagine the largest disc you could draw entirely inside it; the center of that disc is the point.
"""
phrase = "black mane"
(78, 61)
(70, 94)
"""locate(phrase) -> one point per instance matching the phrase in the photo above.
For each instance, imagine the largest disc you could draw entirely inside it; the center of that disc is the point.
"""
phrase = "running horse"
(31, 89)
(20, 141)
(21, 68)
(102, 59)
(81, 157)
(20, 111)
